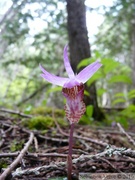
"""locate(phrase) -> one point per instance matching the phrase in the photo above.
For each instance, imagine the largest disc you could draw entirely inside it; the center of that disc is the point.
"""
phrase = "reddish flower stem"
(69, 160)
(71, 139)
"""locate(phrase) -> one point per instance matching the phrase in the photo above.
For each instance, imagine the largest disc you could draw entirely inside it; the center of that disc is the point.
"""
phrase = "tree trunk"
(133, 55)
(79, 46)
(11, 13)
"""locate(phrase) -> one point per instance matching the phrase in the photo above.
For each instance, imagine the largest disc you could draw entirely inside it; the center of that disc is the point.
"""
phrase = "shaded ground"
(95, 150)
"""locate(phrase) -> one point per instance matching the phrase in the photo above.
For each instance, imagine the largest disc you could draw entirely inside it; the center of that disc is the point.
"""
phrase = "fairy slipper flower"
(73, 86)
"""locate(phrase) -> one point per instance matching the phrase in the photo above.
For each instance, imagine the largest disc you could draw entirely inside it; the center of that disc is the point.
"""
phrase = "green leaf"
(131, 108)
(89, 110)
(129, 112)
(86, 93)
(117, 101)
(109, 65)
(85, 62)
(120, 78)
(101, 91)
(131, 94)
(119, 95)
(123, 121)
(98, 75)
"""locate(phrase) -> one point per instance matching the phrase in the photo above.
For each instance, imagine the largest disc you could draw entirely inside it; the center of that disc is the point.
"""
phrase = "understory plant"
(73, 91)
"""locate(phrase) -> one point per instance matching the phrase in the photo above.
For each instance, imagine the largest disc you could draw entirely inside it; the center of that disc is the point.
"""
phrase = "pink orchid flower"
(73, 87)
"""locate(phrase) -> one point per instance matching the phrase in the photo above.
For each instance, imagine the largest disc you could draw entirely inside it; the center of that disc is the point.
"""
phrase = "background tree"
(79, 46)
(25, 48)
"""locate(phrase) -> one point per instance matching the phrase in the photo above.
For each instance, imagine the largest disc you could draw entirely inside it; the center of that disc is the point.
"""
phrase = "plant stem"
(69, 160)
(71, 139)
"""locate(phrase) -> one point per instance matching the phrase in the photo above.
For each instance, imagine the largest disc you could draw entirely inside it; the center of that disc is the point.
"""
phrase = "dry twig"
(80, 137)
(15, 112)
(126, 134)
(36, 155)
(61, 165)
(18, 159)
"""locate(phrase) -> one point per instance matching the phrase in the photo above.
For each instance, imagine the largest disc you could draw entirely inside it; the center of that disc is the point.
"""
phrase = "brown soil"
(48, 151)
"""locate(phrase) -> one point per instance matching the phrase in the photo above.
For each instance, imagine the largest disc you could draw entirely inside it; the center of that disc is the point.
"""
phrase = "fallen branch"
(100, 143)
(129, 153)
(38, 170)
(18, 159)
(126, 134)
(111, 165)
(52, 138)
(36, 155)
(83, 158)
(80, 137)
(15, 112)
(108, 152)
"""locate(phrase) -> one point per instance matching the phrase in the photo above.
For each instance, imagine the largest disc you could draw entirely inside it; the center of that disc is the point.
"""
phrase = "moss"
(59, 113)
(16, 145)
(43, 123)
(3, 163)
(41, 111)
(48, 111)
(44, 118)
(40, 122)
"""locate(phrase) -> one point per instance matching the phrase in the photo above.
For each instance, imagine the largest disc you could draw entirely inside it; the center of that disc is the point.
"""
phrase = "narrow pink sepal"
(67, 64)
(88, 71)
(56, 80)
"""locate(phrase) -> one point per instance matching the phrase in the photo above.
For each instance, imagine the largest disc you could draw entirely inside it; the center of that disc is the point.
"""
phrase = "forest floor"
(33, 155)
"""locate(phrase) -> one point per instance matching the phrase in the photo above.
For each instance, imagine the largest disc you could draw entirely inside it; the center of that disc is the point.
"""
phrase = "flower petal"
(67, 64)
(88, 71)
(75, 106)
(56, 80)
(71, 83)
(74, 110)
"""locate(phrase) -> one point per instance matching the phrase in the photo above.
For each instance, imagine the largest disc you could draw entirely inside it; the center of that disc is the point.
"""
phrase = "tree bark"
(80, 47)
(133, 55)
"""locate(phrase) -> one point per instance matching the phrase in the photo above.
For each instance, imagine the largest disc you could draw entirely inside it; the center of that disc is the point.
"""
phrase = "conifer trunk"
(80, 47)
(133, 55)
